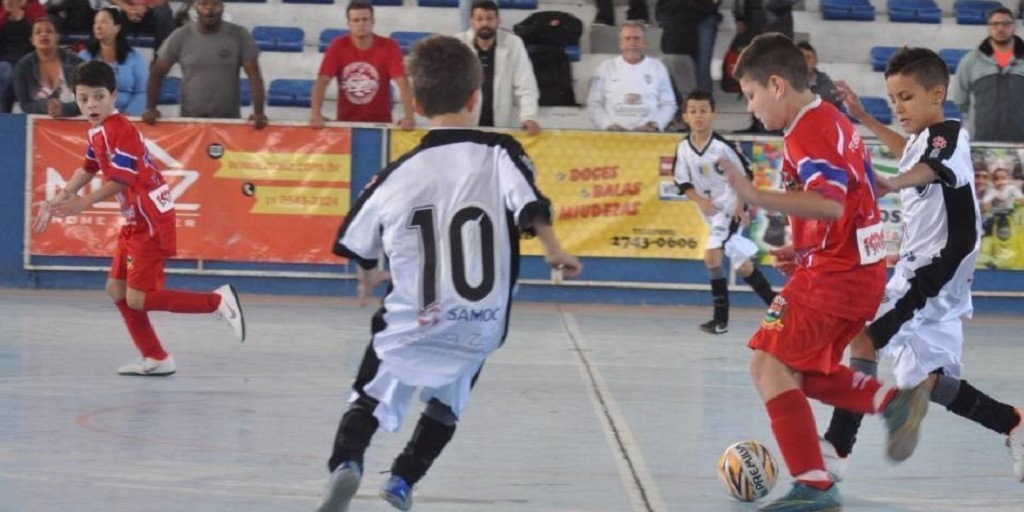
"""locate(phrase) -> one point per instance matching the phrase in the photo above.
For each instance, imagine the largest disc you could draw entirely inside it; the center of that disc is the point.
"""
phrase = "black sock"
(842, 430)
(429, 438)
(983, 410)
(720, 292)
(354, 433)
(760, 285)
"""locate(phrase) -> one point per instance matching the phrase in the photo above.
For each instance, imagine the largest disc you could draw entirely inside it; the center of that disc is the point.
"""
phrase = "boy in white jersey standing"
(702, 180)
(448, 216)
(919, 321)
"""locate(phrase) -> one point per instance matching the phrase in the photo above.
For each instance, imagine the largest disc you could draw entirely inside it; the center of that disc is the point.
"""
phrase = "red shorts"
(803, 339)
(143, 270)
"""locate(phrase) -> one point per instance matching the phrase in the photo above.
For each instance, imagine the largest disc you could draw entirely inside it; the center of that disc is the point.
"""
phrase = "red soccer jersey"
(117, 149)
(841, 263)
(364, 77)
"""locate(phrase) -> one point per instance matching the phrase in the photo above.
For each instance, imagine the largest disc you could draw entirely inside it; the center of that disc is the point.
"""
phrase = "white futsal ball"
(748, 470)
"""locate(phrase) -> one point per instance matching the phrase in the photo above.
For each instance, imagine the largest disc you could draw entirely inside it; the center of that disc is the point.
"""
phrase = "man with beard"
(509, 94)
(210, 53)
(989, 82)
(364, 64)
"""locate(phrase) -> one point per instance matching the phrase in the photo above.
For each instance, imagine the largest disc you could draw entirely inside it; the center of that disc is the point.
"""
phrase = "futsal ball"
(748, 470)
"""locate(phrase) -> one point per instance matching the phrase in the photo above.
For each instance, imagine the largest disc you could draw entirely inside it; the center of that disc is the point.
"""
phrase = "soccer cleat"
(397, 492)
(903, 415)
(834, 464)
(230, 310)
(804, 498)
(1015, 443)
(149, 367)
(341, 487)
(714, 327)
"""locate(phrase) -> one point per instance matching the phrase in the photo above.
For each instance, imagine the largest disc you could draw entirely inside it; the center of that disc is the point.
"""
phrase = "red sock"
(141, 331)
(797, 435)
(850, 390)
(181, 302)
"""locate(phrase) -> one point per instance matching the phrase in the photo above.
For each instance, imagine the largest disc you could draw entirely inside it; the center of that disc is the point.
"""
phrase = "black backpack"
(554, 75)
(554, 28)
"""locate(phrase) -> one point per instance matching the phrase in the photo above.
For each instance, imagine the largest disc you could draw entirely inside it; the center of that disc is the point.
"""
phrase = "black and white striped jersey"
(447, 217)
(698, 167)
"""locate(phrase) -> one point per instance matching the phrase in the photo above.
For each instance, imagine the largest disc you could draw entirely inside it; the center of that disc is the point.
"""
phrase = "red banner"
(271, 195)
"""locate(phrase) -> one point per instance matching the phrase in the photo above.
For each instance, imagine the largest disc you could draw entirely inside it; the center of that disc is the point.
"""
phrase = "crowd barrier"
(260, 208)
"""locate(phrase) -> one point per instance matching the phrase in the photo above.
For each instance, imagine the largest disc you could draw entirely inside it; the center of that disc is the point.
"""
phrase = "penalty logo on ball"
(748, 470)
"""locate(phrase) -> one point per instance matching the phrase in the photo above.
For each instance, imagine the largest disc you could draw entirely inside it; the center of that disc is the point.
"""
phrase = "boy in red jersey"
(837, 274)
(135, 282)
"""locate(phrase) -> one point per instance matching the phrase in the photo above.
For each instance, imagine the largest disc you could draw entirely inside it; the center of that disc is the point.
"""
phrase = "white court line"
(629, 460)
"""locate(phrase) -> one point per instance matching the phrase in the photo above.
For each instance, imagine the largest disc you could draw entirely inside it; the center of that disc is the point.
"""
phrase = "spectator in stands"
(989, 86)
(756, 17)
(110, 44)
(72, 16)
(631, 91)
(210, 52)
(509, 94)
(16, 17)
(679, 20)
(153, 17)
(364, 64)
(821, 84)
(637, 11)
(42, 78)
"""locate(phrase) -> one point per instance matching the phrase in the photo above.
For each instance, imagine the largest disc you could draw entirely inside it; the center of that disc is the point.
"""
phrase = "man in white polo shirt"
(631, 92)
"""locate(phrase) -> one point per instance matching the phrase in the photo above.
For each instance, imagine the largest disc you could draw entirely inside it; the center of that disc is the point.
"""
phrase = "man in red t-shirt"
(364, 64)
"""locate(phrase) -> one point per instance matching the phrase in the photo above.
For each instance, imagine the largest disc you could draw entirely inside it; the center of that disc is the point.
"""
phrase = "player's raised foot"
(341, 487)
(902, 416)
(834, 464)
(397, 492)
(230, 310)
(804, 498)
(714, 327)
(149, 367)
(1015, 443)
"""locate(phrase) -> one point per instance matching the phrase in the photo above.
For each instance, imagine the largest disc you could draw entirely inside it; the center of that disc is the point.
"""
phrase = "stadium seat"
(878, 108)
(70, 39)
(952, 57)
(574, 53)
(517, 4)
(880, 56)
(405, 40)
(290, 93)
(141, 41)
(950, 110)
(914, 11)
(246, 93)
(328, 35)
(848, 10)
(973, 12)
(437, 3)
(307, 1)
(170, 91)
(278, 39)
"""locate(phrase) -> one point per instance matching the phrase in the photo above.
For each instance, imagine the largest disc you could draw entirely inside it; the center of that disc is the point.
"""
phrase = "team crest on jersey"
(939, 142)
(773, 317)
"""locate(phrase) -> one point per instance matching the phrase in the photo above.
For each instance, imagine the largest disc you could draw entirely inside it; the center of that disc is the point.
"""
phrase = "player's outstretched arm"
(554, 255)
(893, 140)
(806, 204)
(919, 174)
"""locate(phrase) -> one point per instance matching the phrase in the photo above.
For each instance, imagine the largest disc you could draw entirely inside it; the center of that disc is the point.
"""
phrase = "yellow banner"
(612, 193)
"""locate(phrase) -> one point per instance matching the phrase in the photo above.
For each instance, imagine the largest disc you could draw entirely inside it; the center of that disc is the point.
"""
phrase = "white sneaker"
(230, 310)
(834, 464)
(149, 367)
(1015, 443)
(341, 487)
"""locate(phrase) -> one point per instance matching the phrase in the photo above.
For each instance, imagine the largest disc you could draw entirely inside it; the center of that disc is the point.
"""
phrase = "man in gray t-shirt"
(210, 52)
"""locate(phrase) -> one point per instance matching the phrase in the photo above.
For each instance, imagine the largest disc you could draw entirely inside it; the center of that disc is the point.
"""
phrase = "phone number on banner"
(653, 242)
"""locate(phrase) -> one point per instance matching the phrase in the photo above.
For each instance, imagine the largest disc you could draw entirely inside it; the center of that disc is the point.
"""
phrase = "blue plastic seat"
(70, 39)
(328, 36)
(952, 56)
(574, 53)
(973, 12)
(437, 3)
(880, 56)
(950, 110)
(849, 10)
(405, 40)
(278, 39)
(141, 41)
(170, 91)
(286, 92)
(914, 11)
(517, 4)
(878, 108)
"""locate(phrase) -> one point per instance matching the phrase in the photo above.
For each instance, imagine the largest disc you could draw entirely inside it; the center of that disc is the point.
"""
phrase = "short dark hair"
(1000, 10)
(487, 5)
(445, 73)
(922, 64)
(699, 95)
(773, 54)
(95, 73)
(806, 46)
(356, 5)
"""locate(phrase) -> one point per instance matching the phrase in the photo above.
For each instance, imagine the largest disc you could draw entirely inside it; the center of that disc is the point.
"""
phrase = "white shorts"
(921, 345)
(737, 247)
